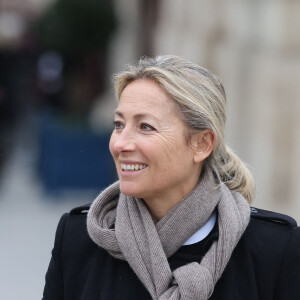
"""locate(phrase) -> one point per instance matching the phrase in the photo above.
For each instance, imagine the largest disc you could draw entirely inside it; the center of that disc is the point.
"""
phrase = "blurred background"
(57, 58)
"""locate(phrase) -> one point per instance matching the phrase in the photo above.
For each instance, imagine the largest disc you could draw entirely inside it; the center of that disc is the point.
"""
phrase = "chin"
(130, 189)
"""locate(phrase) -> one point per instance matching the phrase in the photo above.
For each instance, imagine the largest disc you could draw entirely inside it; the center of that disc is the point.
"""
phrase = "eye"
(146, 127)
(118, 125)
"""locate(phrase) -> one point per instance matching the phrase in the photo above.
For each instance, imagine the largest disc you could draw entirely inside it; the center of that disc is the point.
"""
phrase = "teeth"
(135, 167)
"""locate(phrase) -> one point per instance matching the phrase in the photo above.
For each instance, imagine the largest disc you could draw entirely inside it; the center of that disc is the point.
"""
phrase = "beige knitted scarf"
(123, 226)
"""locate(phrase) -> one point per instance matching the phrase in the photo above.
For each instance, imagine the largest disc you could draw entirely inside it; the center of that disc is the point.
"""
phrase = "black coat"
(265, 264)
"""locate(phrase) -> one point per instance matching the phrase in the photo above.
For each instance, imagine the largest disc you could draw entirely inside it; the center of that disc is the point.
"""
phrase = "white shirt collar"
(203, 232)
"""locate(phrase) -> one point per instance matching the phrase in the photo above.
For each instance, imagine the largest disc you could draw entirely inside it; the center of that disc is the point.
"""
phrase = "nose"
(123, 141)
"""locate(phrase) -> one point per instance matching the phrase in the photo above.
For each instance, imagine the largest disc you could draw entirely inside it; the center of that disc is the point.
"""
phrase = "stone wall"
(254, 46)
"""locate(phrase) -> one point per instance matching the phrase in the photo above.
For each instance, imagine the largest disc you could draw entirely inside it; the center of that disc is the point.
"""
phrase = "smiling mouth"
(133, 167)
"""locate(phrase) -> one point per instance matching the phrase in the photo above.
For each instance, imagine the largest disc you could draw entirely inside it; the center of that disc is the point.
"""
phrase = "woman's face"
(149, 146)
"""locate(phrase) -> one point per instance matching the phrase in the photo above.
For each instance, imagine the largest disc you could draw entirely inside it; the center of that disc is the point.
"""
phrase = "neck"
(160, 206)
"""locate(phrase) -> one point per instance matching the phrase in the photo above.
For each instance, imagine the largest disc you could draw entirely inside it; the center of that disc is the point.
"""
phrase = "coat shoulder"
(256, 213)
(80, 210)
(272, 217)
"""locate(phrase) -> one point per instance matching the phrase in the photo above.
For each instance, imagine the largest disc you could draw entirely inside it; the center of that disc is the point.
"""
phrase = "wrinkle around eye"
(165, 137)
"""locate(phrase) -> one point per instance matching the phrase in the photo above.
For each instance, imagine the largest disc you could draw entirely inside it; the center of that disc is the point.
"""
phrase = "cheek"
(174, 151)
(167, 157)
(179, 158)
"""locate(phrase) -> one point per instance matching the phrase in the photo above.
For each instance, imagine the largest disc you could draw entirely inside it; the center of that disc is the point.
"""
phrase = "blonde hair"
(200, 98)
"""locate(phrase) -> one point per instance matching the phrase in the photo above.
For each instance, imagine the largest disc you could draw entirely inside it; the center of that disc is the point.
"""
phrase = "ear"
(203, 144)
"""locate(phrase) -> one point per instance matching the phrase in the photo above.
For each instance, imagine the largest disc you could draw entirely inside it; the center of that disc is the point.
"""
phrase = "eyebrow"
(137, 116)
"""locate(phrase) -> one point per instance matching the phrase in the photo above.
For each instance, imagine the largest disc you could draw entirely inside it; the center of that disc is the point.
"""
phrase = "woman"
(177, 224)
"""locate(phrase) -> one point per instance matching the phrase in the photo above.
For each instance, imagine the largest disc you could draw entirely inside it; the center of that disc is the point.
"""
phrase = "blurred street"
(28, 219)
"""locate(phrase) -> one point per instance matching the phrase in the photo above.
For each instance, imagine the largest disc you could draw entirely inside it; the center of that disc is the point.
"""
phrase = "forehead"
(145, 93)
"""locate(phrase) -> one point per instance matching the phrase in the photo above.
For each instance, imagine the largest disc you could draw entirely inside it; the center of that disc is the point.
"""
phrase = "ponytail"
(234, 173)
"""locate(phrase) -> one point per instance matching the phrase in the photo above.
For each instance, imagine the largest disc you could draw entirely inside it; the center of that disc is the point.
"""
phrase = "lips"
(132, 166)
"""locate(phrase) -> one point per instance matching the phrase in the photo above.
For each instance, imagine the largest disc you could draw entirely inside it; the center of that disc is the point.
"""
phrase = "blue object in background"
(73, 158)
